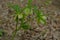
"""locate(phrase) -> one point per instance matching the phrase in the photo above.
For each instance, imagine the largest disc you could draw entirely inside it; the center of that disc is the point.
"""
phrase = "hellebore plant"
(22, 13)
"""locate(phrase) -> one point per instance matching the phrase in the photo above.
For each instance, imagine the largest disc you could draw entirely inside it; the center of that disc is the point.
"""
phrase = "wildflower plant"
(22, 13)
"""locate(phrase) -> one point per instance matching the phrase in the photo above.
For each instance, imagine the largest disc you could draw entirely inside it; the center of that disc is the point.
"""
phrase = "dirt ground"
(51, 31)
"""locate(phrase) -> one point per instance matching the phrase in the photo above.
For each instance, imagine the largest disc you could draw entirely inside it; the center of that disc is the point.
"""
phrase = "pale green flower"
(20, 16)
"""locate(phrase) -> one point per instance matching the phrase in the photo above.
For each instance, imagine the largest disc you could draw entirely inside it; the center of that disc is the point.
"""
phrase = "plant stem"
(14, 33)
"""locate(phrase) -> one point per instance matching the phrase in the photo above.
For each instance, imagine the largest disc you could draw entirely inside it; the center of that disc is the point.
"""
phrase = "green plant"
(1, 32)
(47, 2)
(22, 13)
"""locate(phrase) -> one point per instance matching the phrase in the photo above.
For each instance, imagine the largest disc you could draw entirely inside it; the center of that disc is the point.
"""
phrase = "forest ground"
(51, 31)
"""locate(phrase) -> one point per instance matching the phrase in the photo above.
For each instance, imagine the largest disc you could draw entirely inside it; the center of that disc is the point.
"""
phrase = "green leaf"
(15, 7)
(25, 26)
(35, 9)
(30, 1)
(40, 16)
(29, 5)
(43, 21)
(47, 2)
(1, 32)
